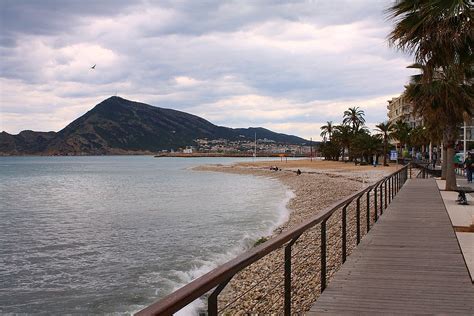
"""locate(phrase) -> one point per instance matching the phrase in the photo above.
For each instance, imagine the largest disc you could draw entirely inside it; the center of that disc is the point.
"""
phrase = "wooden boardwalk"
(409, 263)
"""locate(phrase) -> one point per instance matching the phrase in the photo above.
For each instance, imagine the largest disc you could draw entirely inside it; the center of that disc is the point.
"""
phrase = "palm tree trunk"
(450, 174)
(450, 136)
(385, 152)
(444, 164)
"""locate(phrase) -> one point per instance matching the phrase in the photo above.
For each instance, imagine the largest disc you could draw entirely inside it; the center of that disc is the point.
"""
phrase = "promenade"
(409, 263)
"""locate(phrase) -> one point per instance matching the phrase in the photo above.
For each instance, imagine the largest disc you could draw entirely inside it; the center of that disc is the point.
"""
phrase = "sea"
(111, 234)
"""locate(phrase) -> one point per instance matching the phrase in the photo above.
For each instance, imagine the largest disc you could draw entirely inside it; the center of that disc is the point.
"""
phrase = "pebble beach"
(258, 289)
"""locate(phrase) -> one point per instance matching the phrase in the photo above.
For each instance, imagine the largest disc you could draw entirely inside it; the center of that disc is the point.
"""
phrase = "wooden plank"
(410, 262)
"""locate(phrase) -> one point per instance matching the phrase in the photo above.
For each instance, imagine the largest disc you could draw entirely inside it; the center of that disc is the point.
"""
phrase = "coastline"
(319, 178)
(320, 184)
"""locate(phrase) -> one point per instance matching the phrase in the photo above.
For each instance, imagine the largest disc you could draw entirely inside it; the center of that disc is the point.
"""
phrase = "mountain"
(25, 143)
(120, 126)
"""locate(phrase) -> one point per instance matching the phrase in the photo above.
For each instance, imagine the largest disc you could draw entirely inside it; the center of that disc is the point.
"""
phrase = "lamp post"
(465, 140)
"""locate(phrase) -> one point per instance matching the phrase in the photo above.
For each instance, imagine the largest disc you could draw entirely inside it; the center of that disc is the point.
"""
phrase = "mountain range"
(120, 126)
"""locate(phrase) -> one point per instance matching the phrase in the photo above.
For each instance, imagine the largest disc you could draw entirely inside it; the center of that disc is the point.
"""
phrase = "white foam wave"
(245, 243)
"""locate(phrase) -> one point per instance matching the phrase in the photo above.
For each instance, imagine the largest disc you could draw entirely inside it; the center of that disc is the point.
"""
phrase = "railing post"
(368, 210)
(212, 299)
(323, 255)
(398, 181)
(375, 204)
(381, 198)
(288, 276)
(389, 190)
(358, 218)
(393, 187)
(344, 232)
(385, 192)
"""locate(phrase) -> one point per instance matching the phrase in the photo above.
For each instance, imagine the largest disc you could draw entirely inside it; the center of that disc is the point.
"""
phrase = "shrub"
(259, 241)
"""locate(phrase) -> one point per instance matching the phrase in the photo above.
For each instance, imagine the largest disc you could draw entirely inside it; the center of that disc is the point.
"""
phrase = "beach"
(259, 287)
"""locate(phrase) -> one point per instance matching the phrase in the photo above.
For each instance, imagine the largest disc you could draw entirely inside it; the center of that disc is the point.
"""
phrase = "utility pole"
(311, 148)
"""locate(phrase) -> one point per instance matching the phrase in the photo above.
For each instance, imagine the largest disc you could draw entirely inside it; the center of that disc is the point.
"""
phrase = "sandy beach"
(259, 288)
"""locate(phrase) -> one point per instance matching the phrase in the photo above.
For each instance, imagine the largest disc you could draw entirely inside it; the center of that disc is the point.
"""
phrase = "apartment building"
(399, 109)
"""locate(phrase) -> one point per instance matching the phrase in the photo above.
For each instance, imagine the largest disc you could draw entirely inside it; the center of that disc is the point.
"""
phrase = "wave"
(204, 266)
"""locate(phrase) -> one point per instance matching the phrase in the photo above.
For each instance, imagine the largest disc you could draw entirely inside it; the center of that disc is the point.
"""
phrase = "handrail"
(425, 171)
(222, 274)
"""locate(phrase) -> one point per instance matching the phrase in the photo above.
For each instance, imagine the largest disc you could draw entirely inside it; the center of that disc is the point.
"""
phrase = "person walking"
(434, 158)
(469, 167)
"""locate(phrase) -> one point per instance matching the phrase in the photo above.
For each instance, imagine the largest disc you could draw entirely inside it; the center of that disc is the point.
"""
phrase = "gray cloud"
(48, 17)
(236, 63)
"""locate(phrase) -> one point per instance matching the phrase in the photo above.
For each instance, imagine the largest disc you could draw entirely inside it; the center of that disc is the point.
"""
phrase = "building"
(188, 150)
(466, 136)
(399, 109)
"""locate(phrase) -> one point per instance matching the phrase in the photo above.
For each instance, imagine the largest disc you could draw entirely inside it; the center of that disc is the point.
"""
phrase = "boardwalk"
(410, 263)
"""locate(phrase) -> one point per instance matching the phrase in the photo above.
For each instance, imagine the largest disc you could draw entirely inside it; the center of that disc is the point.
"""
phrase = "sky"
(289, 66)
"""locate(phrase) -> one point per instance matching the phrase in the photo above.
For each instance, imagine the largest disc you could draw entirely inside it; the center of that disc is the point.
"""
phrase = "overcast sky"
(287, 66)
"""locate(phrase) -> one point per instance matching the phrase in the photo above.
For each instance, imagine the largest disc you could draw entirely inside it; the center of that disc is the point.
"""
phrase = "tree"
(355, 118)
(365, 146)
(343, 136)
(443, 101)
(439, 34)
(401, 133)
(385, 129)
(419, 137)
(330, 150)
(327, 131)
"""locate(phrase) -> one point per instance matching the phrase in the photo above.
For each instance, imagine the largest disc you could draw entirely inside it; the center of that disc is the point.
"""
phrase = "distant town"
(245, 147)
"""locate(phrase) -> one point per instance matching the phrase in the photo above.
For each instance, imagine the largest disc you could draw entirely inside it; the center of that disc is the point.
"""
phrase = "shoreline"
(320, 184)
(310, 181)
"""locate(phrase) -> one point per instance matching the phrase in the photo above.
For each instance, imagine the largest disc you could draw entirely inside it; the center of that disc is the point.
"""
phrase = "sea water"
(98, 235)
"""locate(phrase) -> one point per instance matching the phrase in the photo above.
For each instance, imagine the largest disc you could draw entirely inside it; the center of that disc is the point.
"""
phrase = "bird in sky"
(93, 67)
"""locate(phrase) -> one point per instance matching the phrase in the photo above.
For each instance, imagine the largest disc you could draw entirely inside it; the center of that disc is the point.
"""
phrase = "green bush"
(259, 241)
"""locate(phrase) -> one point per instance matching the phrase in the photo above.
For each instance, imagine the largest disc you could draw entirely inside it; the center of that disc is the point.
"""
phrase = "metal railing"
(377, 197)
(425, 171)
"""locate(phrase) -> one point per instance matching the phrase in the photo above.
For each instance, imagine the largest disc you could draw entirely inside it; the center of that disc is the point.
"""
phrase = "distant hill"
(120, 126)
(25, 143)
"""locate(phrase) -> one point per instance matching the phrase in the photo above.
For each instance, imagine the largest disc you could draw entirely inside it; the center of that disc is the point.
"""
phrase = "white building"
(399, 109)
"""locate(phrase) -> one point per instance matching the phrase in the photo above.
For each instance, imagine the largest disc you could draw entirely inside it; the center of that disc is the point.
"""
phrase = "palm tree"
(354, 117)
(401, 133)
(365, 146)
(443, 101)
(343, 136)
(419, 137)
(327, 131)
(385, 129)
(439, 34)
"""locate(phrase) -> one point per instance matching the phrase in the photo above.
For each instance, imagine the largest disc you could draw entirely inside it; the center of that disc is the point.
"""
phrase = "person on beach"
(469, 167)
(298, 172)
